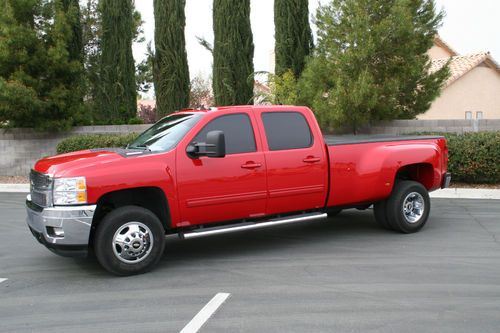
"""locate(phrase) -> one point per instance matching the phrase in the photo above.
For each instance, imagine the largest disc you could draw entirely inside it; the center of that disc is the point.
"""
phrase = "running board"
(249, 226)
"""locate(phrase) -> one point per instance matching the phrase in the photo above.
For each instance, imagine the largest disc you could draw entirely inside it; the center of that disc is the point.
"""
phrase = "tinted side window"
(286, 130)
(237, 130)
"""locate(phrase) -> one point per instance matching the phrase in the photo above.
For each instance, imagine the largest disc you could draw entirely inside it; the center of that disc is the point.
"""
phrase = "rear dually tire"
(408, 207)
(380, 213)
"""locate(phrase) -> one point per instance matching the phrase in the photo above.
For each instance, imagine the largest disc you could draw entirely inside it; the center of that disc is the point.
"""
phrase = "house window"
(468, 115)
(479, 115)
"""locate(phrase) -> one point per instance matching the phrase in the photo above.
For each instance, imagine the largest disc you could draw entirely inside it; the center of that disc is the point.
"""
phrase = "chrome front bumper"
(64, 230)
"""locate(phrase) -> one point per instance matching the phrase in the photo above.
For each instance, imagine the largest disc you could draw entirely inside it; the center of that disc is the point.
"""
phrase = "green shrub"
(135, 121)
(473, 157)
(89, 141)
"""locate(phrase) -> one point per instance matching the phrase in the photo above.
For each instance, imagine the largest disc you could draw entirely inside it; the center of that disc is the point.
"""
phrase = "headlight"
(70, 191)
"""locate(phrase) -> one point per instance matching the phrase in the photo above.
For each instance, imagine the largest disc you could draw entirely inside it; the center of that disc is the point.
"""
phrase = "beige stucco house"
(473, 88)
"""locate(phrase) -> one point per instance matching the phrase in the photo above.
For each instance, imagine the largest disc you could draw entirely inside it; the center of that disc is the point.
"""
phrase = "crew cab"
(197, 173)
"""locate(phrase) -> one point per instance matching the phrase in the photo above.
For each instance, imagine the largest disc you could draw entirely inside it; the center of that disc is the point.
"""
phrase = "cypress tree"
(233, 53)
(293, 35)
(91, 28)
(71, 14)
(71, 9)
(117, 94)
(170, 66)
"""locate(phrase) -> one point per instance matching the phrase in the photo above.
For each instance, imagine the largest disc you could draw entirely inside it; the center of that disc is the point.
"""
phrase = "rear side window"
(238, 133)
(286, 130)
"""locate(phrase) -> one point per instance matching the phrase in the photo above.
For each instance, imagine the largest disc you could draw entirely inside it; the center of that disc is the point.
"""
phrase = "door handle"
(311, 159)
(251, 165)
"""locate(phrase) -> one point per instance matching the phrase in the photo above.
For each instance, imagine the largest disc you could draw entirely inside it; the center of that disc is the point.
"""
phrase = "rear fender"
(420, 162)
(366, 173)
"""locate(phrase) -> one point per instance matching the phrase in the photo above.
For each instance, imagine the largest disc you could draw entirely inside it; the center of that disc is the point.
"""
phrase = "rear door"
(296, 161)
(228, 188)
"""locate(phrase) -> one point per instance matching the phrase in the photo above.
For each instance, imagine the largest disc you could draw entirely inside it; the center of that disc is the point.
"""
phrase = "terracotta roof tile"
(461, 65)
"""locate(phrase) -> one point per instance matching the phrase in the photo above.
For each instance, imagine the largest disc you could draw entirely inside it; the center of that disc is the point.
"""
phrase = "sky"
(468, 27)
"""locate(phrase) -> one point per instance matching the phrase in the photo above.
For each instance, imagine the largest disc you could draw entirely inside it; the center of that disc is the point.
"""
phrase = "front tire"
(408, 207)
(129, 240)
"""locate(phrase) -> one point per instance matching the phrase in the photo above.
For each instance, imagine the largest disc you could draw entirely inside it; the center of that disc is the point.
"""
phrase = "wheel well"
(151, 198)
(421, 172)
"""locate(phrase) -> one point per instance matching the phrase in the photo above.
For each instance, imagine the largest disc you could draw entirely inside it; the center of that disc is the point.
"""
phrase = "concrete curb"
(15, 188)
(450, 193)
(467, 193)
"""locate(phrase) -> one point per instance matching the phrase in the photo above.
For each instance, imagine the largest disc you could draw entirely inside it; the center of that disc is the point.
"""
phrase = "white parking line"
(208, 310)
(2, 280)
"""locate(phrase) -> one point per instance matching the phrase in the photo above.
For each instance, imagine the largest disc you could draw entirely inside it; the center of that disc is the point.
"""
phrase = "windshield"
(166, 133)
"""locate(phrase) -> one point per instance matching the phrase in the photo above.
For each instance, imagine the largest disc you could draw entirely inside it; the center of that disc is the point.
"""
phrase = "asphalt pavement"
(343, 274)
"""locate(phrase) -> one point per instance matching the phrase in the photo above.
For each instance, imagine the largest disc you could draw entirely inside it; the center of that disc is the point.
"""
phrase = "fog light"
(58, 232)
(55, 232)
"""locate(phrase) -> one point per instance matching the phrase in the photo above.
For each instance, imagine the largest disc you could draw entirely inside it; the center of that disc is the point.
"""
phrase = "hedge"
(89, 141)
(473, 157)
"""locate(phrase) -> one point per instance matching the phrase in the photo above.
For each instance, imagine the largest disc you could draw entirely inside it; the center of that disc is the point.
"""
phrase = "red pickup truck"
(197, 173)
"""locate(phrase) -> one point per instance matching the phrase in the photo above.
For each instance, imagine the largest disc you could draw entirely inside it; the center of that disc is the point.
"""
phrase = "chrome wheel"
(132, 242)
(413, 207)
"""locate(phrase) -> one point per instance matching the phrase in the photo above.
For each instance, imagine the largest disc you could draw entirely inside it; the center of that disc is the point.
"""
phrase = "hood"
(68, 164)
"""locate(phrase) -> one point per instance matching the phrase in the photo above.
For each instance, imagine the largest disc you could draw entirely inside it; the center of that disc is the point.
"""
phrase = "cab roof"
(267, 108)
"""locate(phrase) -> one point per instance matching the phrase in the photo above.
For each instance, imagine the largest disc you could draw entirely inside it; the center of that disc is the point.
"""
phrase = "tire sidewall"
(107, 229)
(380, 213)
(395, 211)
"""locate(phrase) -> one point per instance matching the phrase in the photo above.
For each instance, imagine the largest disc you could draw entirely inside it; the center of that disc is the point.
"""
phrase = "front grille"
(40, 181)
(40, 188)
(40, 198)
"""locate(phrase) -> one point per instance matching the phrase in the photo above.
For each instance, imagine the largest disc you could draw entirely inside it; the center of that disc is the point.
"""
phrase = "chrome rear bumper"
(446, 180)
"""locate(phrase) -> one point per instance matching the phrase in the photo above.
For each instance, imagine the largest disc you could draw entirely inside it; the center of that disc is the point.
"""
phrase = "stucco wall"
(478, 90)
(21, 148)
(437, 52)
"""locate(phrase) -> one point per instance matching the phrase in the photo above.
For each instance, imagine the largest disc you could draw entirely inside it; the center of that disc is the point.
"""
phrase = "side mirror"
(215, 146)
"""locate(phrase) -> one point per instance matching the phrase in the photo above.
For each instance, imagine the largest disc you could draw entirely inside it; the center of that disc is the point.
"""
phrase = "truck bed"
(363, 167)
(337, 140)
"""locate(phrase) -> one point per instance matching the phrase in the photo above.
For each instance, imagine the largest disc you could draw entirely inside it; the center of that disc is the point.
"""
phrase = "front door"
(228, 188)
